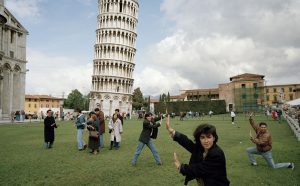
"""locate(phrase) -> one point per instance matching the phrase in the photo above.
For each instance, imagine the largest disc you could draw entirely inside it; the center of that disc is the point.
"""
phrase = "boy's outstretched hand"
(176, 161)
(168, 126)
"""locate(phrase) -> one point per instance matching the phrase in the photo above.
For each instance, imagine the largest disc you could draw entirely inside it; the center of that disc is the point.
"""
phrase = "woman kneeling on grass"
(207, 163)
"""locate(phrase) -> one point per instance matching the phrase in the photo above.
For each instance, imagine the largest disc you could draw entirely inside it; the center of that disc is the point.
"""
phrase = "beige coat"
(116, 128)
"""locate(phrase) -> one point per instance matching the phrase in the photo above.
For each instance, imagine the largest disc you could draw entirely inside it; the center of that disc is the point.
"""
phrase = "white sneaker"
(291, 166)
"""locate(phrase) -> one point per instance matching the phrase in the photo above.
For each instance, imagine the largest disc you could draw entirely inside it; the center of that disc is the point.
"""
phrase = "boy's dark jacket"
(150, 130)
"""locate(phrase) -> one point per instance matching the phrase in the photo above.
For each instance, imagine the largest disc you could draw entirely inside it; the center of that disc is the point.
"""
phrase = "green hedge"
(217, 106)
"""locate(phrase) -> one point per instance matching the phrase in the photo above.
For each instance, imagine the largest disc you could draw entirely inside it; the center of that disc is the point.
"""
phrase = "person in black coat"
(207, 163)
(149, 125)
(49, 125)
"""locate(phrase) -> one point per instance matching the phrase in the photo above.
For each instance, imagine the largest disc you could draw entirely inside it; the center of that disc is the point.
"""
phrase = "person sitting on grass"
(207, 163)
(263, 142)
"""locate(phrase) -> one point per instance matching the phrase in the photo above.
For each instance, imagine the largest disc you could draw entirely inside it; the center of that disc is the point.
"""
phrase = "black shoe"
(84, 147)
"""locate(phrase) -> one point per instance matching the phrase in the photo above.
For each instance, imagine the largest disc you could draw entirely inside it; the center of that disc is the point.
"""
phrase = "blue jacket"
(80, 122)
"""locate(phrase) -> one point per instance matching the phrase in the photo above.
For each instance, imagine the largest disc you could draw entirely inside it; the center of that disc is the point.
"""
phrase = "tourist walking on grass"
(93, 128)
(80, 125)
(49, 125)
(210, 113)
(263, 142)
(207, 163)
(100, 121)
(145, 138)
(232, 115)
(115, 129)
(117, 111)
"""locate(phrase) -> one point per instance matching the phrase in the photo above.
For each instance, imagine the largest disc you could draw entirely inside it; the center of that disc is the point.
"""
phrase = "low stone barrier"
(293, 123)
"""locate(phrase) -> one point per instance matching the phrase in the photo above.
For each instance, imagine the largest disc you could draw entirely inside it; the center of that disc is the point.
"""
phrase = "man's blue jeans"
(101, 142)
(80, 142)
(267, 156)
(139, 149)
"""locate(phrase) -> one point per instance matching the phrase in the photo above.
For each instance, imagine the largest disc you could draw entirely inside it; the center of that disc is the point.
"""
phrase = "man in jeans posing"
(80, 122)
(149, 125)
(263, 141)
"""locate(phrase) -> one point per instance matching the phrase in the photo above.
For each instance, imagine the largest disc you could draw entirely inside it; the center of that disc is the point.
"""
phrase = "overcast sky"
(181, 44)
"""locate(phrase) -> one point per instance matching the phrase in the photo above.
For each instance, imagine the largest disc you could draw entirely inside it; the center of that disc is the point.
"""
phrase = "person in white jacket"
(115, 130)
(232, 114)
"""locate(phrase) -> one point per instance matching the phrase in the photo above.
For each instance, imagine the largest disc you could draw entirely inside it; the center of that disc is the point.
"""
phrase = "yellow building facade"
(278, 94)
(37, 103)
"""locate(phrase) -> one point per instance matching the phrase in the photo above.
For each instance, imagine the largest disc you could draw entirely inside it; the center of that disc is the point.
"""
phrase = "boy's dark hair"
(205, 129)
(147, 115)
(117, 110)
(262, 123)
(49, 110)
(97, 109)
(92, 112)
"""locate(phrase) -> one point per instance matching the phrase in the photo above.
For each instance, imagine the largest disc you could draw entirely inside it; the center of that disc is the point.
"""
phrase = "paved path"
(3, 122)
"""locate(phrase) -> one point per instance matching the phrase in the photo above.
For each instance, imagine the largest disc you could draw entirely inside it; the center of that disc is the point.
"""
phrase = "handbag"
(94, 134)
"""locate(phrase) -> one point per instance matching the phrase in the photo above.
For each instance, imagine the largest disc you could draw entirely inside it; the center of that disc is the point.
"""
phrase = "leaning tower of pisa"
(113, 63)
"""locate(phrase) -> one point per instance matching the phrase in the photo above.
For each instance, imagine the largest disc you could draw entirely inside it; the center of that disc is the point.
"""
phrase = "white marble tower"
(12, 63)
(112, 78)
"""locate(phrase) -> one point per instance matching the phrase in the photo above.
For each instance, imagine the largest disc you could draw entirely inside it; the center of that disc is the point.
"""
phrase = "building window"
(29, 99)
(275, 98)
(267, 90)
(291, 97)
(255, 96)
(255, 85)
(274, 90)
(47, 100)
(11, 54)
(268, 98)
(12, 36)
(244, 96)
(290, 89)
(34, 105)
(29, 105)
(35, 100)
(243, 85)
(121, 6)
(282, 89)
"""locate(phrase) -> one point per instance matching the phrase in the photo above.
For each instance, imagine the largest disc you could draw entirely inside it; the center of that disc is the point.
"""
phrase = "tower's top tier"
(129, 7)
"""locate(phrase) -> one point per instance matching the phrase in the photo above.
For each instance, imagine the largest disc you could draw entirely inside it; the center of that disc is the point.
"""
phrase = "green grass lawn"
(24, 161)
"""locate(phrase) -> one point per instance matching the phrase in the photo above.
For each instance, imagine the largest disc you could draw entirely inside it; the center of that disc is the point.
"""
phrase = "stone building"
(35, 104)
(12, 63)
(244, 92)
(114, 53)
